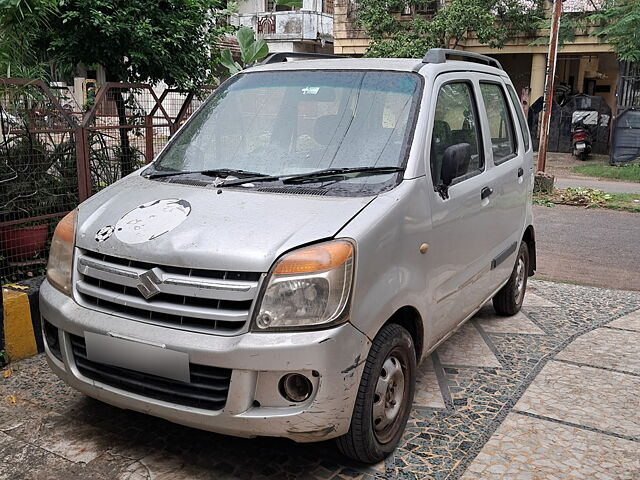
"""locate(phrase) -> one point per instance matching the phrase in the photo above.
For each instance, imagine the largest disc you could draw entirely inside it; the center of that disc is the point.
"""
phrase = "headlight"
(61, 253)
(308, 288)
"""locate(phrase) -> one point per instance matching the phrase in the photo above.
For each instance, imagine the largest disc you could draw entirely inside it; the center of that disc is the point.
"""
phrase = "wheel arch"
(409, 318)
(529, 238)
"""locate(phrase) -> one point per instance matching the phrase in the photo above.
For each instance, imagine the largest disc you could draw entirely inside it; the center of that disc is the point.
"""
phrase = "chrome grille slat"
(193, 299)
(171, 283)
(163, 307)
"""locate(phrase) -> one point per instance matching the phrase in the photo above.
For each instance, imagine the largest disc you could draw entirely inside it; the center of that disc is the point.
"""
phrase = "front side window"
(295, 122)
(455, 121)
(503, 141)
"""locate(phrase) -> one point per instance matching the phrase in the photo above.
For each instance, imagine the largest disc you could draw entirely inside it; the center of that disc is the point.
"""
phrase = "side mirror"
(455, 162)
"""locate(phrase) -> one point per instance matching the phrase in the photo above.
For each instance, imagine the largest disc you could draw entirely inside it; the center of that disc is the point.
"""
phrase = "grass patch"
(589, 198)
(629, 173)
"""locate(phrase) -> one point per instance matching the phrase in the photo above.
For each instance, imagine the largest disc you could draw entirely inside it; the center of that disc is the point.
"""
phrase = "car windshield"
(295, 122)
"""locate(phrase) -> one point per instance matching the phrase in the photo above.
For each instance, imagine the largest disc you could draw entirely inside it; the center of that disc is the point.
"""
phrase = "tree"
(620, 20)
(493, 21)
(21, 23)
(139, 41)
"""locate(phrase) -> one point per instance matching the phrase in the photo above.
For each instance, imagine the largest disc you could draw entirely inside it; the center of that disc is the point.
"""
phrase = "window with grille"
(279, 8)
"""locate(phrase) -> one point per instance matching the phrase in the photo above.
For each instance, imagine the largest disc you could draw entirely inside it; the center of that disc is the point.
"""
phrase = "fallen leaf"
(12, 398)
(6, 373)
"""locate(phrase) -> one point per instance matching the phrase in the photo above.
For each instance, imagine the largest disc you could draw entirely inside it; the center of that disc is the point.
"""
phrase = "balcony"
(301, 25)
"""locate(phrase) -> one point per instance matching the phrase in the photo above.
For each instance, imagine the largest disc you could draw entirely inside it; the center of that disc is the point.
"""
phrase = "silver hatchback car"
(313, 232)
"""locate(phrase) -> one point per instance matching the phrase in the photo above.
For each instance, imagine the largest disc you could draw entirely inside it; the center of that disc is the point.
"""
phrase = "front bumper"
(254, 406)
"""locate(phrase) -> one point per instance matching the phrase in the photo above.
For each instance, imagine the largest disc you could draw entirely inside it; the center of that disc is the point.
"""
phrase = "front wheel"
(509, 298)
(385, 397)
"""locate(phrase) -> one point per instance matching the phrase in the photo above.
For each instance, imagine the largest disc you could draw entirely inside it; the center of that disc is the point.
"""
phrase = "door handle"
(486, 191)
(520, 172)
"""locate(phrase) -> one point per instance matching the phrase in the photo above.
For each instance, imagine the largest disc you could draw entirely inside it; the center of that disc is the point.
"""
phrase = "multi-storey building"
(308, 29)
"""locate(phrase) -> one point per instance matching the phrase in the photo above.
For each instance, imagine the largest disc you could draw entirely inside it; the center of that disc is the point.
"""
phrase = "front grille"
(192, 299)
(208, 388)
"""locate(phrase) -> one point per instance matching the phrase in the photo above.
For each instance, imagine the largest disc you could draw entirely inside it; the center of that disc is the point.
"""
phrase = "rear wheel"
(508, 300)
(384, 398)
(583, 156)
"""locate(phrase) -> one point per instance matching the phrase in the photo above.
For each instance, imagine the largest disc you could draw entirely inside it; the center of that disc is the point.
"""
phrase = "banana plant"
(251, 50)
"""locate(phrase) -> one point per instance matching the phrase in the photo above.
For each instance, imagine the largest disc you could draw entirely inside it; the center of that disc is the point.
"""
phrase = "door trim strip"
(504, 255)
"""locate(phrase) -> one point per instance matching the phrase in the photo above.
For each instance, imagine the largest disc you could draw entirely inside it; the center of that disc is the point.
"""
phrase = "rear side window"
(455, 121)
(523, 123)
(503, 140)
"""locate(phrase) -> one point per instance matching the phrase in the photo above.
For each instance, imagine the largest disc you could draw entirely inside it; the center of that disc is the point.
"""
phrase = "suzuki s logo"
(148, 284)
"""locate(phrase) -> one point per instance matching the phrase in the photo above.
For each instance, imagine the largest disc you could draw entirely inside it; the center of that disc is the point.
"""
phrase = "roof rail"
(439, 55)
(284, 56)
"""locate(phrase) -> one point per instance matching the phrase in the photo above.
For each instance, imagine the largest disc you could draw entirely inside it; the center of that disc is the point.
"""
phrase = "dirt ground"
(561, 164)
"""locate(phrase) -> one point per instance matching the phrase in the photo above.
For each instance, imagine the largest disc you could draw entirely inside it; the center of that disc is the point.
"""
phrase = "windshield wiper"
(340, 173)
(215, 172)
(330, 173)
(250, 177)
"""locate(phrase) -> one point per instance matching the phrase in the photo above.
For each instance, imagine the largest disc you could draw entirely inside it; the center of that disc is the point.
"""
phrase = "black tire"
(583, 156)
(366, 442)
(509, 298)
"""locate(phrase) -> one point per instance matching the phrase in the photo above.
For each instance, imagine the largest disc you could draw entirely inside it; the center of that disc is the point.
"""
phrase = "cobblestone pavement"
(550, 393)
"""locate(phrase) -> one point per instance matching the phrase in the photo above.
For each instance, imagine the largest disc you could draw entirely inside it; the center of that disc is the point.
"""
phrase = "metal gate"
(51, 158)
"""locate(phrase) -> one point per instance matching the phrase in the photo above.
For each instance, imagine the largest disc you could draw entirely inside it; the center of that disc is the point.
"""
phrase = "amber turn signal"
(316, 258)
(65, 230)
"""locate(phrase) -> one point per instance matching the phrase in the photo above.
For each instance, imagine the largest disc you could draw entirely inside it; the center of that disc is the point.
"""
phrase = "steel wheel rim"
(388, 398)
(520, 279)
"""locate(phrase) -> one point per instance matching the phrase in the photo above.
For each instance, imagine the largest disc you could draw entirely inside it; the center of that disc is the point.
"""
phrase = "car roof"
(388, 64)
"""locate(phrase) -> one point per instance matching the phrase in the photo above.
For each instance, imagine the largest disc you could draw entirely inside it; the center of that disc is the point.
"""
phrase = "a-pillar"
(538, 74)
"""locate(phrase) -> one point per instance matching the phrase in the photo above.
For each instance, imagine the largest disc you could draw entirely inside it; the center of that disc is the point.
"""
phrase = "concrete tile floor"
(551, 393)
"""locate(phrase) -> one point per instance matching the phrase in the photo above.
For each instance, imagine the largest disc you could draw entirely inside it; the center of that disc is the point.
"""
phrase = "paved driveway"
(549, 393)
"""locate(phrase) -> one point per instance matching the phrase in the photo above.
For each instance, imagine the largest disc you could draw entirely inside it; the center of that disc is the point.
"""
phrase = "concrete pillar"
(538, 71)
(586, 63)
(101, 75)
(581, 68)
(77, 90)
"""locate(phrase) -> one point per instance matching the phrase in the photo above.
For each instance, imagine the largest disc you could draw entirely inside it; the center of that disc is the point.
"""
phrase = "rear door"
(508, 175)
(457, 260)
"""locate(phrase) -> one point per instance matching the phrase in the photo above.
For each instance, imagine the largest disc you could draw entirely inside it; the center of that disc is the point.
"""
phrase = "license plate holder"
(137, 356)
(580, 145)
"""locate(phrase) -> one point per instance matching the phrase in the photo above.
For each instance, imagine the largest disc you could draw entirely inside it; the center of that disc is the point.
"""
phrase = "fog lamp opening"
(295, 387)
(52, 337)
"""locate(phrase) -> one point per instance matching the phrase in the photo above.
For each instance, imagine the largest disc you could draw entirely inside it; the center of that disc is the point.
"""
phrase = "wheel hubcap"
(388, 397)
(520, 278)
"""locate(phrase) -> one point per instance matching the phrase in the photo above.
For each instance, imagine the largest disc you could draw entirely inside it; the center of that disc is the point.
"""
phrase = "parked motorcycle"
(581, 139)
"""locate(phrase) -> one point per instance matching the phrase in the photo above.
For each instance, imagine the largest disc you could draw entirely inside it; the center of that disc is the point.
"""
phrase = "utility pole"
(548, 86)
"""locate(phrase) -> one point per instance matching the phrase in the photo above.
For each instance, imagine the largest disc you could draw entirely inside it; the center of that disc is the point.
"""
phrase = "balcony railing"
(293, 25)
